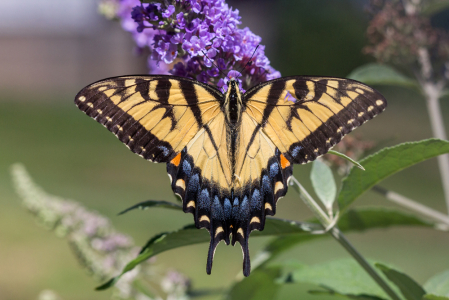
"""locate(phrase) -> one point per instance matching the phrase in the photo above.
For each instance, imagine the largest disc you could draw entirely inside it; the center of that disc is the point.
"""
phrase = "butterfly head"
(233, 84)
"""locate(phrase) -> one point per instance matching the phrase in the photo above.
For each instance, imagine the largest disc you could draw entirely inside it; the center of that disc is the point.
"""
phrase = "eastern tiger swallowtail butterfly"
(230, 156)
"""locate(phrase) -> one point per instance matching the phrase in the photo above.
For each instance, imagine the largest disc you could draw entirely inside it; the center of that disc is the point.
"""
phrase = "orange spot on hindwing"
(175, 161)
(284, 162)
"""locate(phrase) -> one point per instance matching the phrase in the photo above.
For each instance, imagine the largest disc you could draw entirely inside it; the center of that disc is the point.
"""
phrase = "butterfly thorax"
(233, 105)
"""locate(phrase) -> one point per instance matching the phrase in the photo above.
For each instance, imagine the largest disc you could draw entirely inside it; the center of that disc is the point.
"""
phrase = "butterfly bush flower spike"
(196, 39)
(101, 249)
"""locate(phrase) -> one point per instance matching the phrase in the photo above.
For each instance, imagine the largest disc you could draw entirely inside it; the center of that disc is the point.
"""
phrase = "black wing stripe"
(189, 93)
(273, 96)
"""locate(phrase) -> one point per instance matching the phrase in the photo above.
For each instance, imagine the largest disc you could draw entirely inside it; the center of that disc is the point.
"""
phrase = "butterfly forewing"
(155, 116)
(306, 116)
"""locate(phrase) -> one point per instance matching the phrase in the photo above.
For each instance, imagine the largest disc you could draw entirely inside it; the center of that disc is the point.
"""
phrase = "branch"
(413, 205)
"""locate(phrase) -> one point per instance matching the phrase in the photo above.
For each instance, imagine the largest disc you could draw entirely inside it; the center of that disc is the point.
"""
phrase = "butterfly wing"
(261, 176)
(306, 116)
(154, 116)
(178, 121)
(202, 178)
(291, 120)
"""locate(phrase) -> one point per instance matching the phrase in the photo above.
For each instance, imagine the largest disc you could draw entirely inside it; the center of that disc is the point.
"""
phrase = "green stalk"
(339, 237)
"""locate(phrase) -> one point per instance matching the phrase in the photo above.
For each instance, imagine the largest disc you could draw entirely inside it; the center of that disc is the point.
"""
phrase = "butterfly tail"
(216, 236)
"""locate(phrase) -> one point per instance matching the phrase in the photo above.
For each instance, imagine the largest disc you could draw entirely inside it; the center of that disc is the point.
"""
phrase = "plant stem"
(432, 93)
(412, 205)
(312, 204)
(339, 237)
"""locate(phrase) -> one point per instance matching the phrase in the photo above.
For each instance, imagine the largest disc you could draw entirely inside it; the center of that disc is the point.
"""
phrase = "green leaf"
(438, 284)
(381, 74)
(260, 285)
(350, 220)
(190, 235)
(369, 218)
(434, 297)
(323, 182)
(408, 287)
(384, 163)
(347, 158)
(342, 275)
(152, 203)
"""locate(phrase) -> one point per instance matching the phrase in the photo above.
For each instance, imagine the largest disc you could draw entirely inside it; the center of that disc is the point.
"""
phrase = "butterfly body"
(233, 104)
(230, 156)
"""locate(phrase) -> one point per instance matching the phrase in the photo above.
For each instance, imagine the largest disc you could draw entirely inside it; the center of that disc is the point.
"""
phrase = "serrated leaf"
(408, 287)
(438, 284)
(374, 73)
(384, 163)
(152, 203)
(323, 183)
(434, 297)
(343, 275)
(260, 285)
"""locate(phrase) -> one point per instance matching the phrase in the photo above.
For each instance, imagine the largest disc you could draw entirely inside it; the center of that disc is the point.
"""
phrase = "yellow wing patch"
(306, 116)
(155, 116)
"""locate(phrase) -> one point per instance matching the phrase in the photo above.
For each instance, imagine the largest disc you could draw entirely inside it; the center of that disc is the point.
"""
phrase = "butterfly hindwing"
(155, 116)
(202, 178)
(306, 116)
(262, 173)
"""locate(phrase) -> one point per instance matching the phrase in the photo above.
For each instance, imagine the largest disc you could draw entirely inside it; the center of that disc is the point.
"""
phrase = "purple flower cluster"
(199, 39)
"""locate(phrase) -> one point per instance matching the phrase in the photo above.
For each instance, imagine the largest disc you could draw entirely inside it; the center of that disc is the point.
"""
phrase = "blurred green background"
(51, 49)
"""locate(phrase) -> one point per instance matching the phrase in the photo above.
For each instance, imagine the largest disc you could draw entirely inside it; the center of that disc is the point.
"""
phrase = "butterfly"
(230, 155)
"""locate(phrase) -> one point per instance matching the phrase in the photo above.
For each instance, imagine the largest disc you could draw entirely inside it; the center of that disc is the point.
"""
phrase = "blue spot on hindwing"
(256, 201)
(296, 150)
(217, 210)
(244, 209)
(204, 199)
(266, 185)
(186, 167)
(227, 208)
(165, 150)
(236, 209)
(274, 169)
(194, 183)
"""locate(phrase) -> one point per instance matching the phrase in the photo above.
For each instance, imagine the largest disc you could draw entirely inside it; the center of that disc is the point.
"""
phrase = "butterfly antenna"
(244, 66)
